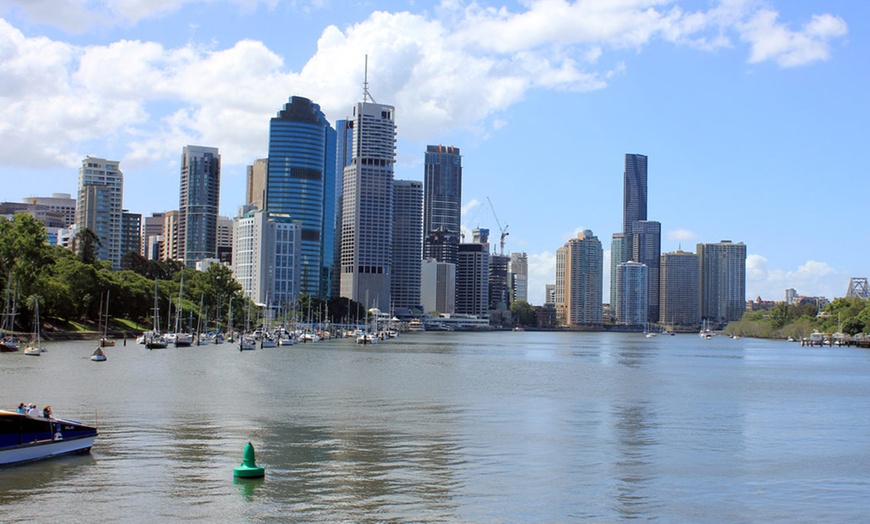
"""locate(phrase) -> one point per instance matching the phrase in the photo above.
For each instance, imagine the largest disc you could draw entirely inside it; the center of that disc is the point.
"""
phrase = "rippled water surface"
(470, 427)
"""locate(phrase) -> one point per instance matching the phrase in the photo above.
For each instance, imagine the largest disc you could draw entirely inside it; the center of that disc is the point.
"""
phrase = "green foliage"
(851, 315)
(523, 313)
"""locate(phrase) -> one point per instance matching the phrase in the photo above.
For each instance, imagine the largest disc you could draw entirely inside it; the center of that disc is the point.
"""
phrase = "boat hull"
(25, 438)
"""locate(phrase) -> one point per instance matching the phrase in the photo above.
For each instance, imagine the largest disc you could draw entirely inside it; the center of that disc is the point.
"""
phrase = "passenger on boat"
(22, 408)
(46, 412)
(31, 409)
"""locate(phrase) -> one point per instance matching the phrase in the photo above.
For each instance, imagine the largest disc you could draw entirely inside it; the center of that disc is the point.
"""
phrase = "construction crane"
(504, 231)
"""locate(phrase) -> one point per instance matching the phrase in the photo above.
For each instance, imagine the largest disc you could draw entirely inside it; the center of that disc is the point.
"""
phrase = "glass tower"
(634, 191)
(199, 203)
(443, 204)
(300, 174)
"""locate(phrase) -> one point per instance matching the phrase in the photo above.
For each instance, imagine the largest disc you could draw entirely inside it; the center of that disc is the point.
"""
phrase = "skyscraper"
(723, 281)
(443, 205)
(617, 256)
(519, 276)
(99, 205)
(266, 258)
(646, 244)
(301, 162)
(634, 191)
(199, 203)
(367, 207)
(680, 289)
(582, 283)
(255, 183)
(343, 157)
(131, 233)
(407, 245)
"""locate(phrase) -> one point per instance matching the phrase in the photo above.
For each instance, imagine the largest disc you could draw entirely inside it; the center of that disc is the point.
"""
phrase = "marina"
(453, 426)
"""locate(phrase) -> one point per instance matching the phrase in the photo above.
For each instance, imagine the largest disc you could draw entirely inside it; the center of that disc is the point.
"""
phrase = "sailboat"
(104, 334)
(182, 340)
(154, 340)
(34, 348)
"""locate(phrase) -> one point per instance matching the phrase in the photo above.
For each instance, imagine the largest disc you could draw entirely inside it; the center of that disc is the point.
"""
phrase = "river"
(453, 427)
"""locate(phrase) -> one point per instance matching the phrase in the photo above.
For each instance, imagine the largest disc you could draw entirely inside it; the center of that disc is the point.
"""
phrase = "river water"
(453, 427)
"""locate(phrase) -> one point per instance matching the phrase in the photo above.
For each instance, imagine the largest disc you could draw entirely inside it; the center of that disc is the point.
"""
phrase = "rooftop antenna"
(367, 97)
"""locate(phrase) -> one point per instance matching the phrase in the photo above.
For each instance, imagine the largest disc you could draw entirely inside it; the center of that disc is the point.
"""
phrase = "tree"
(86, 243)
(523, 313)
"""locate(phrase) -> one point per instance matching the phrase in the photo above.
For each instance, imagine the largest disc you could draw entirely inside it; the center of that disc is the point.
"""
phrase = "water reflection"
(635, 432)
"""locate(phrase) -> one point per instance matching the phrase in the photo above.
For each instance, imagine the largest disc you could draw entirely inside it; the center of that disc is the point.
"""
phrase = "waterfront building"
(580, 287)
(367, 207)
(443, 205)
(199, 203)
(62, 203)
(680, 289)
(646, 241)
(631, 281)
(519, 277)
(225, 239)
(131, 233)
(255, 183)
(723, 281)
(343, 158)
(438, 286)
(266, 258)
(99, 204)
(472, 279)
(301, 164)
(407, 246)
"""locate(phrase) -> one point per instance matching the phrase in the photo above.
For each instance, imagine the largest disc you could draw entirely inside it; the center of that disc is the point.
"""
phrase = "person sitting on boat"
(31, 409)
(22, 408)
(46, 412)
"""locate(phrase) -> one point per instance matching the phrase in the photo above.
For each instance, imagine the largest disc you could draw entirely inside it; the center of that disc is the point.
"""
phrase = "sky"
(753, 113)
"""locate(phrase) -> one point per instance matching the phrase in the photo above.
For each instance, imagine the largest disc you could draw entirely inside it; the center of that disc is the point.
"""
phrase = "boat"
(647, 333)
(246, 343)
(105, 341)
(98, 355)
(153, 339)
(25, 438)
(34, 348)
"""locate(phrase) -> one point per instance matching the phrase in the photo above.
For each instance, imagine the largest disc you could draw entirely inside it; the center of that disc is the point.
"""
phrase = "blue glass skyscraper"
(300, 175)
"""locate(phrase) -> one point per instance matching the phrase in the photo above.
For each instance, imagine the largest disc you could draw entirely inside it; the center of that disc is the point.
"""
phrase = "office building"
(301, 164)
(199, 204)
(99, 205)
(266, 259)
(255, 183)
(723, 281)
(225, 239)
(407, 246)
(499, 288)
(443, 205)
(438, 286)
(367, 207)
(680, 289)
(580, 286)
(550, 294)
(631, 280)
(472, 279)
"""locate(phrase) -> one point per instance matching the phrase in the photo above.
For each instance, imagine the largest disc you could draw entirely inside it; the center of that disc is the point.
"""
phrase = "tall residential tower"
(199, 203)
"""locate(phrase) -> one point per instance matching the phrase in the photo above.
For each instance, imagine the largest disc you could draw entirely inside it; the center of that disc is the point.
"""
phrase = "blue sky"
(753, 113)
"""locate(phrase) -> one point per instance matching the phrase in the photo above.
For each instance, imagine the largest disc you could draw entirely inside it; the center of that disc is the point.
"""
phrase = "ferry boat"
(25, 438)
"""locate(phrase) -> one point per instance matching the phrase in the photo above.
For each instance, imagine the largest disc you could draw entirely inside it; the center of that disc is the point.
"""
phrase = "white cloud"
(542, 271)
(682, 235)
(770, 40)
(813, 278)
(459, 71)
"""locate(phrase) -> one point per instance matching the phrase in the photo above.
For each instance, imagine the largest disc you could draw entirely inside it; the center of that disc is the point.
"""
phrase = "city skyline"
(742, 111)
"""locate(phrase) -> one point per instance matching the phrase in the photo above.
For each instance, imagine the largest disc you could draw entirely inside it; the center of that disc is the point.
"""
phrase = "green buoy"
(249, 468)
